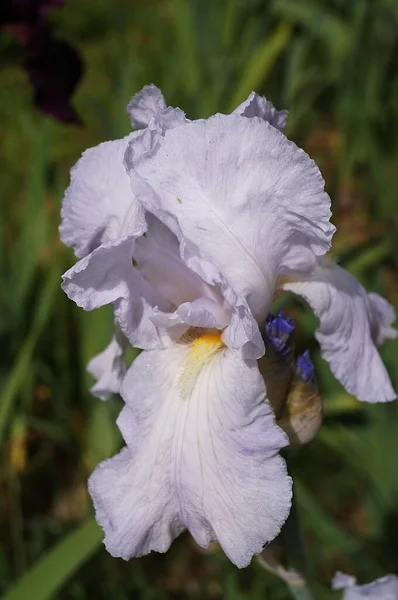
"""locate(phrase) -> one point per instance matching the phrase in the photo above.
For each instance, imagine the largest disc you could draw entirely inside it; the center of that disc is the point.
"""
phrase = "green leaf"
(22, 364)
(103, 437)
(261, 64)
(322, 23)
(186, 38)
(46, 577)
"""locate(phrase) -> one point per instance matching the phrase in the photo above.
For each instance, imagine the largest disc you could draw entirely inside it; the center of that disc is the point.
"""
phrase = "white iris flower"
(189, 228)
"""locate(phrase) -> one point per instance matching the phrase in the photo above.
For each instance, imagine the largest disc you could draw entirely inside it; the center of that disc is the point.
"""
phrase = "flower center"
(200, 352)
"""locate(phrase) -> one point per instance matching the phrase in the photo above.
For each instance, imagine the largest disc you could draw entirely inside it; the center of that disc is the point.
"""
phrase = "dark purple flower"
(54, 70)
(53, 66)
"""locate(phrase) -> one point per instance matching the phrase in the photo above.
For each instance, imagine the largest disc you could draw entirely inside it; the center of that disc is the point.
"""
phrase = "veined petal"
(385, 588)
(202, 454)
(259, 106)
(99, 205)
(145, 105)
(158, 257)
(241, 193)
(348, 331)
(107, 276)
(108, 368)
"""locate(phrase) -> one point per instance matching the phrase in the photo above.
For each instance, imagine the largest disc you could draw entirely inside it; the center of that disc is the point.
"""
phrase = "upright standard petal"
(259, 106)
(385, 588)
(145, 105)
(108, 368)
(248, 198)
(98, 205)
(349, 329)
(202, 454)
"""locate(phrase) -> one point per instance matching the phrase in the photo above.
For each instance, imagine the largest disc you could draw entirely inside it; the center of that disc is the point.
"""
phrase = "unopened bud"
(302, 416)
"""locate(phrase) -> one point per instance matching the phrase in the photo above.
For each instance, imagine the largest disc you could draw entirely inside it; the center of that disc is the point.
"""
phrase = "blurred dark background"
(67, 72)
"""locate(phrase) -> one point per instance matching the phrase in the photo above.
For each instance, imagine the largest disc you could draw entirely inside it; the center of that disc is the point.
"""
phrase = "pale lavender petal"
(99, 205)
(107, 276)
(204, 312)
(168, 119)
(385, 588)
(341, 581)
(259, 106)
(108, 368)
(145, 105)
(242, 332)
(157, 255)
(148, 109)
(241, 193)
(383, 316)
(347, 332)
(202, 454)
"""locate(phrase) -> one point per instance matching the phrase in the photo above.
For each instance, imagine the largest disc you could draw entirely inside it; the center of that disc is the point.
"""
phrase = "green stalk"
(300, 592)
(285, 557)
(296, 555)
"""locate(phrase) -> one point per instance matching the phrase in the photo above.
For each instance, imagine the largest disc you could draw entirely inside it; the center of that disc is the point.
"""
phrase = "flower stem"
(300, 592)
(295, 552)
(285, 557)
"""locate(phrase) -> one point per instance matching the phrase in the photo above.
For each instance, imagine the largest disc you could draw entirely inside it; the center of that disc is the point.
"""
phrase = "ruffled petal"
(259, 106)
(156, 302)
(202, 454)
(107, 276)
(242, 332)
(108, 368)
(348, 331)
(145, 105)
(243, 194)
(385, 588)
(158, 257)
(201, 294)
(99, 205)
(383, 316)
(148, 109)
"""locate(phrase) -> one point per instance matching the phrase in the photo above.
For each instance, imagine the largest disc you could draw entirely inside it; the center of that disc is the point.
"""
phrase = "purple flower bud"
(304, 368)
(278, 331)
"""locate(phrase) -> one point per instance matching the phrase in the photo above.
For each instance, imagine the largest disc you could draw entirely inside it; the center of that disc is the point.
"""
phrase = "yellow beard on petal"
(200, 352)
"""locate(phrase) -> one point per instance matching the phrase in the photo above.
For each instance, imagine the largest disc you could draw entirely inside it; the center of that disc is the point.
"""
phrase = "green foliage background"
(334, 65)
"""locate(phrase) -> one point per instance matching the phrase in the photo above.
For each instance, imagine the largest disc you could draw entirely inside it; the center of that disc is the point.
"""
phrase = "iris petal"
(238, 190)
(348, 331)
(202, 454)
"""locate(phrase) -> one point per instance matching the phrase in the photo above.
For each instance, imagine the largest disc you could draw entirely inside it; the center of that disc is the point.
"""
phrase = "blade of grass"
(322, 23)
(186, 36)
(46, 577)
(261, 63)
(17, 376)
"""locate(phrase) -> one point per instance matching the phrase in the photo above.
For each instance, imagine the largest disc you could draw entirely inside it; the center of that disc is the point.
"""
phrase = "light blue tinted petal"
(202, 454)
(99, 205)
(145, 105)
(248, 199)
(107, 276)
(385, 588)
(108, 368)
(346, 332)
(383, 316)
(259, 106)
